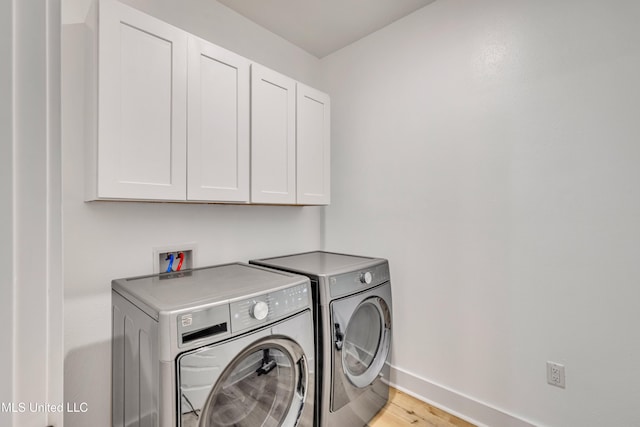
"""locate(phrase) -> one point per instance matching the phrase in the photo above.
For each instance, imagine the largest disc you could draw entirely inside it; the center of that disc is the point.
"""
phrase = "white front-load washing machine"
(352, 296)
(228, 345)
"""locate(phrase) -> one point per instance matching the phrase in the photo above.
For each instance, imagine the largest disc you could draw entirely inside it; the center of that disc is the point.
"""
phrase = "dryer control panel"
(356, 281)
(266, 308)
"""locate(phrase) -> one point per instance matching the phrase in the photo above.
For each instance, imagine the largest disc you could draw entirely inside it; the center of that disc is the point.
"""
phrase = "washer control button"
(366, 278)
(259, 310)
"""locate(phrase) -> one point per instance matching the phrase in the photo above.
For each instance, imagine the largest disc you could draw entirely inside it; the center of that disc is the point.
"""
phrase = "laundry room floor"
(405, 410)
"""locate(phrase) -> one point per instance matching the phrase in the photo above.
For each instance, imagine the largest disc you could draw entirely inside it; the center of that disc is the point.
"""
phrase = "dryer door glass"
(366, 341)
(265, 385)
(362, 341)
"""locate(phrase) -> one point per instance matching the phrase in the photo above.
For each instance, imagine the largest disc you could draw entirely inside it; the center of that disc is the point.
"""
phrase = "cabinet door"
(273, 151)
(312, 146)
(218, 124)
(142, 106)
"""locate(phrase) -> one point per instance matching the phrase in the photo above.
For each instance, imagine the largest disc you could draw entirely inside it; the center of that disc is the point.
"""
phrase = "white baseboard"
(455, 403)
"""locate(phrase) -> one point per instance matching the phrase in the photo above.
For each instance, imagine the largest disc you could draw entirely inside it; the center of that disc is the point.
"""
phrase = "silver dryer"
(352, 296)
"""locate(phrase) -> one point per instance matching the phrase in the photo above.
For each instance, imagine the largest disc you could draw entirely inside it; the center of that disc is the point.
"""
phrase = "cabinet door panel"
(313, 146)
(218, 146)
(272, 137)
(142, 106)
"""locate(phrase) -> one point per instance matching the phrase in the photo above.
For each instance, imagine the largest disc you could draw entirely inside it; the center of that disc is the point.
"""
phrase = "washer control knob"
(259, 310)
(366, 278)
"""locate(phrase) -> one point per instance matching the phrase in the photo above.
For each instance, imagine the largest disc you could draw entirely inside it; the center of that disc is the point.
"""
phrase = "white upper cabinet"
(313, 146)
(141, 148)
(273, 143)
(218, 124)
(180, 119)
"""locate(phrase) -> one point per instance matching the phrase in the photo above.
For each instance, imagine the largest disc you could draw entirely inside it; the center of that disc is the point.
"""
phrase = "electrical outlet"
(167, 258)
(555, 374)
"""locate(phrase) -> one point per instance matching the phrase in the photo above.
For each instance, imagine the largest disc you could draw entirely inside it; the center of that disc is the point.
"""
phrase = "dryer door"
(361, 342)
(264, 384)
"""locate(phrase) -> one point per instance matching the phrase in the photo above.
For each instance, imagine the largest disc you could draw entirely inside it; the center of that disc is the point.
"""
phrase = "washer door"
(362, 340)
(263, 385)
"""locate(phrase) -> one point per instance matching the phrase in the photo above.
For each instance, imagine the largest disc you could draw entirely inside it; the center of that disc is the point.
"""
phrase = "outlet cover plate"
(555, 374)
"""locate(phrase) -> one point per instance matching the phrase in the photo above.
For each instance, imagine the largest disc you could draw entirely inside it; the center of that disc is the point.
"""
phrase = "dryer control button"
(366, 278)
(259, 310)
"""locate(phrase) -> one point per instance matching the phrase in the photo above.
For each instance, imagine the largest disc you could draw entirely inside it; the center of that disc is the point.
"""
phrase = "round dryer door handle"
(259, 310)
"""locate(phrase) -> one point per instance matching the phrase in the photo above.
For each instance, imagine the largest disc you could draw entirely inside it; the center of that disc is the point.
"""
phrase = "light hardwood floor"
(405, 410)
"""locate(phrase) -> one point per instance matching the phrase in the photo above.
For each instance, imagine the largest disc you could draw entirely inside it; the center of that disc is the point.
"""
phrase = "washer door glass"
(263, 386)
(366, 341)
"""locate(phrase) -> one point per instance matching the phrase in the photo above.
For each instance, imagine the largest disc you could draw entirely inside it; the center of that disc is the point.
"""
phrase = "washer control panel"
(251, 312)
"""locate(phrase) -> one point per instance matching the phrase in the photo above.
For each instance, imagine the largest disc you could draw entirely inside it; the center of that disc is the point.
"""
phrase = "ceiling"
(323, 26)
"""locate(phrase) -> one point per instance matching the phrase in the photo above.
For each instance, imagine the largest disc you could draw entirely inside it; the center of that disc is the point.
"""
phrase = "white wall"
(55, 283)
(490, 151)
(107, 240)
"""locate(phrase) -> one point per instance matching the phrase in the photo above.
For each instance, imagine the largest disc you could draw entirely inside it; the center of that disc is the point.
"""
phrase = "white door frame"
(31, 295)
